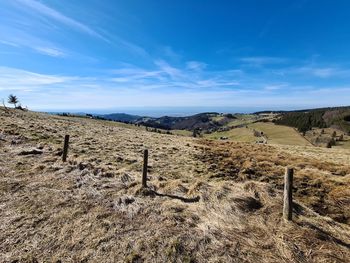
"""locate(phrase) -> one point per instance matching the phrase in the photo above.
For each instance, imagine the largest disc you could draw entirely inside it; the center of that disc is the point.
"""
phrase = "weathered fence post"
(288, 198)
(65, 148)
(144, 172)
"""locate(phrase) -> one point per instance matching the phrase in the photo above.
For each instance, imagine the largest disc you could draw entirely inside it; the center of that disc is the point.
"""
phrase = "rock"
(126, 200)
(82, 166)
(30, 152)
(120, 159)
(59, 152)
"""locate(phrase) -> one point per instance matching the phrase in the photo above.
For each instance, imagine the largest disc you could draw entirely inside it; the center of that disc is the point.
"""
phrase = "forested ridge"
(318, 118)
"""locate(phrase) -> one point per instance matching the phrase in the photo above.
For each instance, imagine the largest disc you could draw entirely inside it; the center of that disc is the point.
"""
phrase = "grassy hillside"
(211, 201)
(328, 137)
(237, 134)
(275, 134)
(242, 119)
(279, 134)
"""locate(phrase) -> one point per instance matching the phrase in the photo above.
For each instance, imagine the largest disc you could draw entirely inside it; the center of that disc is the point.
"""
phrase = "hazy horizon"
(176, 111)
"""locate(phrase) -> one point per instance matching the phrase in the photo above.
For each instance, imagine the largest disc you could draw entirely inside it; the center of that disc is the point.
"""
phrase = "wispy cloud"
(315, 70)
(17, 38)
(17, 79)
(131, 72)
(324, 72)
(59, 17)
(49, 31)
(196, 65)
(133, 86)
(53, 52)
(275, 86)
(169, 53)
(192, 75)
(259, 61)
(168, 69)
(9, 43)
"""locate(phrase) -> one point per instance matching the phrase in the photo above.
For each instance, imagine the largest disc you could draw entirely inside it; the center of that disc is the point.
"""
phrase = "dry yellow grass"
(91, 209)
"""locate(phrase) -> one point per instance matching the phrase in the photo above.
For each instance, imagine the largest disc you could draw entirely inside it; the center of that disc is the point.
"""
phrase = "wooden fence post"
(288, 198)
(144, 172)
(65, 148)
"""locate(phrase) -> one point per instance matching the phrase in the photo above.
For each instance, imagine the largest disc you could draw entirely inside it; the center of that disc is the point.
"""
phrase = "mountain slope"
(92, 207)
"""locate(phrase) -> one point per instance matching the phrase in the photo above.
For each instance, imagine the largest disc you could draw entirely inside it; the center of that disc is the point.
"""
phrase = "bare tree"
(3, 103)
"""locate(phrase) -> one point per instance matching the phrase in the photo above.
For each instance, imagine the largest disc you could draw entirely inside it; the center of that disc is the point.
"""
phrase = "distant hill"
(203, 121)
(123, 117)
(198, 121)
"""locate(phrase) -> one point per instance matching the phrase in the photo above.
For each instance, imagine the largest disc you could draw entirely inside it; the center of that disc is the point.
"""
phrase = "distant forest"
(303, 121)
(319, 118)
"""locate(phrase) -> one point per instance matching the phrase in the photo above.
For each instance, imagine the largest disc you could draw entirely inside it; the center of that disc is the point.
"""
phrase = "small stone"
(30, 152)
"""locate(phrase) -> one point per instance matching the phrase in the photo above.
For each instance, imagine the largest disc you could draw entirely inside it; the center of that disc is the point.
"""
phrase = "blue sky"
(102, 55)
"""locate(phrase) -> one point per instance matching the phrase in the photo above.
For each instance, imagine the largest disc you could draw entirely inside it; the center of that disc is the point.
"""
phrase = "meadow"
(211, 201)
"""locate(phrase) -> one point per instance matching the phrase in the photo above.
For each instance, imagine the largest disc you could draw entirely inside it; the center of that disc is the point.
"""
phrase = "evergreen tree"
(13, 100)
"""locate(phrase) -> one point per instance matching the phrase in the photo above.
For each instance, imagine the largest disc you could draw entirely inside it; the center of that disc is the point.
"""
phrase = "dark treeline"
(303, 121)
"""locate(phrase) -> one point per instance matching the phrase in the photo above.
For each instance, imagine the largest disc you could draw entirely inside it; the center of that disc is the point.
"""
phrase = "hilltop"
(218, 201)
